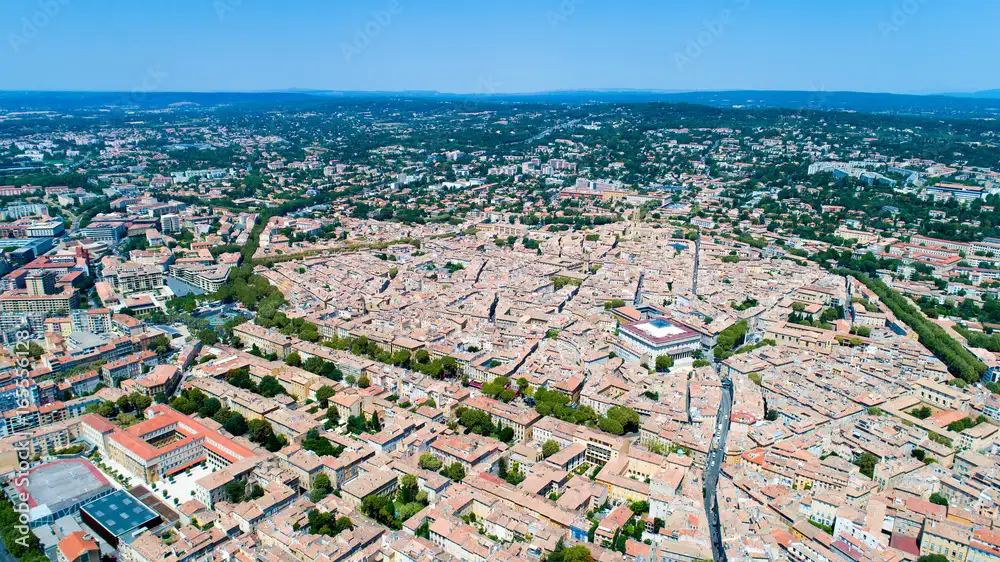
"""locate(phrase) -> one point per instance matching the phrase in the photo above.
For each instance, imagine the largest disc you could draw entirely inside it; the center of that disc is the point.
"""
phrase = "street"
(716, 455)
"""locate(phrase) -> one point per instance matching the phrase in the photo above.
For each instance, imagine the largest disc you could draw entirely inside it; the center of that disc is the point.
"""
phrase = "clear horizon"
(511, 47)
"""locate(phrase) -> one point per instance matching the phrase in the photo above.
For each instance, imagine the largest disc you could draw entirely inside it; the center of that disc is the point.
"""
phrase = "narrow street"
(694, 270)
(716, 455)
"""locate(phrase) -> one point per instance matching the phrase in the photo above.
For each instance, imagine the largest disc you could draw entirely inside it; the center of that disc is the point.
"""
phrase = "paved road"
(694, 270)
(716, 454)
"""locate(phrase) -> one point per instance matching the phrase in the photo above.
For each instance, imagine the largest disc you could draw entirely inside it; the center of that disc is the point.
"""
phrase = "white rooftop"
(659, 328)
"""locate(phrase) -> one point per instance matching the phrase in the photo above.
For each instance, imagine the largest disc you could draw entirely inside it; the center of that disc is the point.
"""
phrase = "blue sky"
(903, 46)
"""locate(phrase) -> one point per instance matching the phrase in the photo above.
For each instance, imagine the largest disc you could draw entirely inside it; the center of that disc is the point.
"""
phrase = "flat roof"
(119, 512)
(54, 486)
(144, 495)
(660, 330)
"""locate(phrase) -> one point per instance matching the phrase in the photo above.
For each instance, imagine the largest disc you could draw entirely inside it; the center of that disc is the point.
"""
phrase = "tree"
(222, 416)
(107, 409)
(639, 507)
(160, 344)
(209, 407)
(627, 418)
(235, 491)
(140, 401)
(275, 442)
(939, 499)
(578, 553)
(269, 387)
(400, 357)
(475, 420)
(380, 509)
(610, 426)
(35, 350)
(506, 435)
(259, 431)
(357, 424)
(309, 332)
(323, 523)
(321, 488)
(664, 363)
(324, 394)
(293, 359)
(455, 471)
(208, 337)
(333, 415)
(343, 523)
(374, 424)
(320, 445)
(364, 382)
(933, 558)
(124, 405)
(549, 448)
(236, 425)
(429, 462)
(408, 488)
(126, 420)
(314, 365)
(866, 462)
(613, 303)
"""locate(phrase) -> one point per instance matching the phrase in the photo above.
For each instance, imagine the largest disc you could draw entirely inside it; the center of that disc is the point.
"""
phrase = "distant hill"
(925, 105)
(985, 104)
(987, 94)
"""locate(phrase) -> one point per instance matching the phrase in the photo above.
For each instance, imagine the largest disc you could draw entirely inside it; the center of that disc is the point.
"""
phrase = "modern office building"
(118, 516)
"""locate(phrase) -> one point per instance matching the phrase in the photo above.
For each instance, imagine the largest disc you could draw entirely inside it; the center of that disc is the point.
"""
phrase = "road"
(717, 454)
(694, 271)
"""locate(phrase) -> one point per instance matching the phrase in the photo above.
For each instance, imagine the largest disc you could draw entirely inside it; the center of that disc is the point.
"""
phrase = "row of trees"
(455, 471)
(479, 422)
(315, 365)
(325, 523)
(268, 387)
(729, 339)
(193, 401)
(439, 368)
(618, 420)
(126, 411)
(960, 362)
